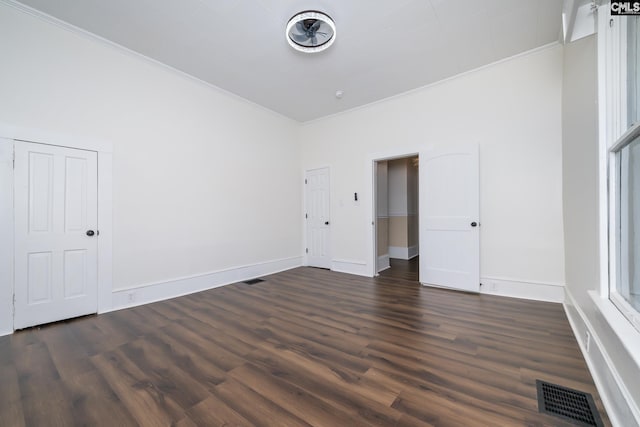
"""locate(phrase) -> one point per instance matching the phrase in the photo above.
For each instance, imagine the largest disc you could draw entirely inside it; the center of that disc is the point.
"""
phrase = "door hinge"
(307, 250)
(14, 159)
(305, 180)
(306, 216)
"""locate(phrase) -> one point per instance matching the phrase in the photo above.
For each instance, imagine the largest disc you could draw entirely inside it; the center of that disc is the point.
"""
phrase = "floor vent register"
(571, 405)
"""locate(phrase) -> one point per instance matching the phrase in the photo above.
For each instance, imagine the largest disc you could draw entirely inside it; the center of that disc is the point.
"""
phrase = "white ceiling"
(383, 47)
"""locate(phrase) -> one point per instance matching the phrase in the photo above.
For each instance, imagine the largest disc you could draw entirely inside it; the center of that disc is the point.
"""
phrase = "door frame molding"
(6, 239)
(104, 149)
(370, 190)
(305, 241)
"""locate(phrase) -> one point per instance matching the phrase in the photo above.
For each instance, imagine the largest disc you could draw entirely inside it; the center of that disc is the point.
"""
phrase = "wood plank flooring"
(305, 347)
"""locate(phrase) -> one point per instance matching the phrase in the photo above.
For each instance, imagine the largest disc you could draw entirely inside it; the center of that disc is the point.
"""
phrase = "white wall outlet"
(131, 297)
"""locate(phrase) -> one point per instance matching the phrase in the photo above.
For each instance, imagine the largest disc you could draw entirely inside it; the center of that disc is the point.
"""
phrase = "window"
(624, 178)
(626, 292)
(632, 69)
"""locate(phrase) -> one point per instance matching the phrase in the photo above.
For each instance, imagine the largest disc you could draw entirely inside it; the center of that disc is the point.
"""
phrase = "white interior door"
(449, 217)
(55, 234)
(317, 217)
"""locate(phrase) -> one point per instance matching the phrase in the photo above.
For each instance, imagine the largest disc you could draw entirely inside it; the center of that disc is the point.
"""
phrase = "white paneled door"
(317, 218)
(449, 217)
(55, 202)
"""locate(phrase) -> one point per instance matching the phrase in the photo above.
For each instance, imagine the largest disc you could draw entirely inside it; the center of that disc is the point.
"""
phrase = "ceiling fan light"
(304, 19)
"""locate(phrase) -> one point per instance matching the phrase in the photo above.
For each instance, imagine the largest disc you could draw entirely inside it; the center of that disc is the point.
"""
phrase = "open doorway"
(449, 211)
(396, 217)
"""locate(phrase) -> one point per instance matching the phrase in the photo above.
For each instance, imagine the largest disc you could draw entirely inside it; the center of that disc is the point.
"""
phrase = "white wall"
(382, 186)
(413, 200)
(412, 188)
(580, 168)
(398, 187)
(203, 181)
(610, 359)
(513, 110)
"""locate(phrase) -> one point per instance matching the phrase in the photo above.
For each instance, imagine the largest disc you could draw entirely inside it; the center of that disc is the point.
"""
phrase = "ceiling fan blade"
(315, 26)
(299, 38)
(300, 28)
(314, 40)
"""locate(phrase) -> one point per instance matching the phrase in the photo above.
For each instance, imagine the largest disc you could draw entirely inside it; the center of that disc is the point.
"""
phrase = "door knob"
(90, 233)
(474, 224)
(326, 223)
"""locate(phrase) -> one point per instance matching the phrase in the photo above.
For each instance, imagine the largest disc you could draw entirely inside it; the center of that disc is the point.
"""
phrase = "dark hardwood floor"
(305, 347)
(403, 269)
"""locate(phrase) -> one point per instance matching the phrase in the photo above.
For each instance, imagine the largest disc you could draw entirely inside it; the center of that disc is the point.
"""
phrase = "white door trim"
(8, 133)
(370, 180)
(54, 138)
(6, 236)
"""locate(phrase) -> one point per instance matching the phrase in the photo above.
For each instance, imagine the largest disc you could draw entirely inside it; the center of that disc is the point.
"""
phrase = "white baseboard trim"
(145, 294)
(383, 262)
(3, 333)
(359, 268)
(414, 251)
(550, 292)
(398, 252)
(615, 396)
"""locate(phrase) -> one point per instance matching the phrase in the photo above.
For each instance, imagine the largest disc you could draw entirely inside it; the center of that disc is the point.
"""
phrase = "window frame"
(616, 135)
(629, 312)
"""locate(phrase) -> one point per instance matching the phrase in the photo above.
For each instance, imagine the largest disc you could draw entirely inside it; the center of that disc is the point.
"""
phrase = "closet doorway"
(396, 217)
